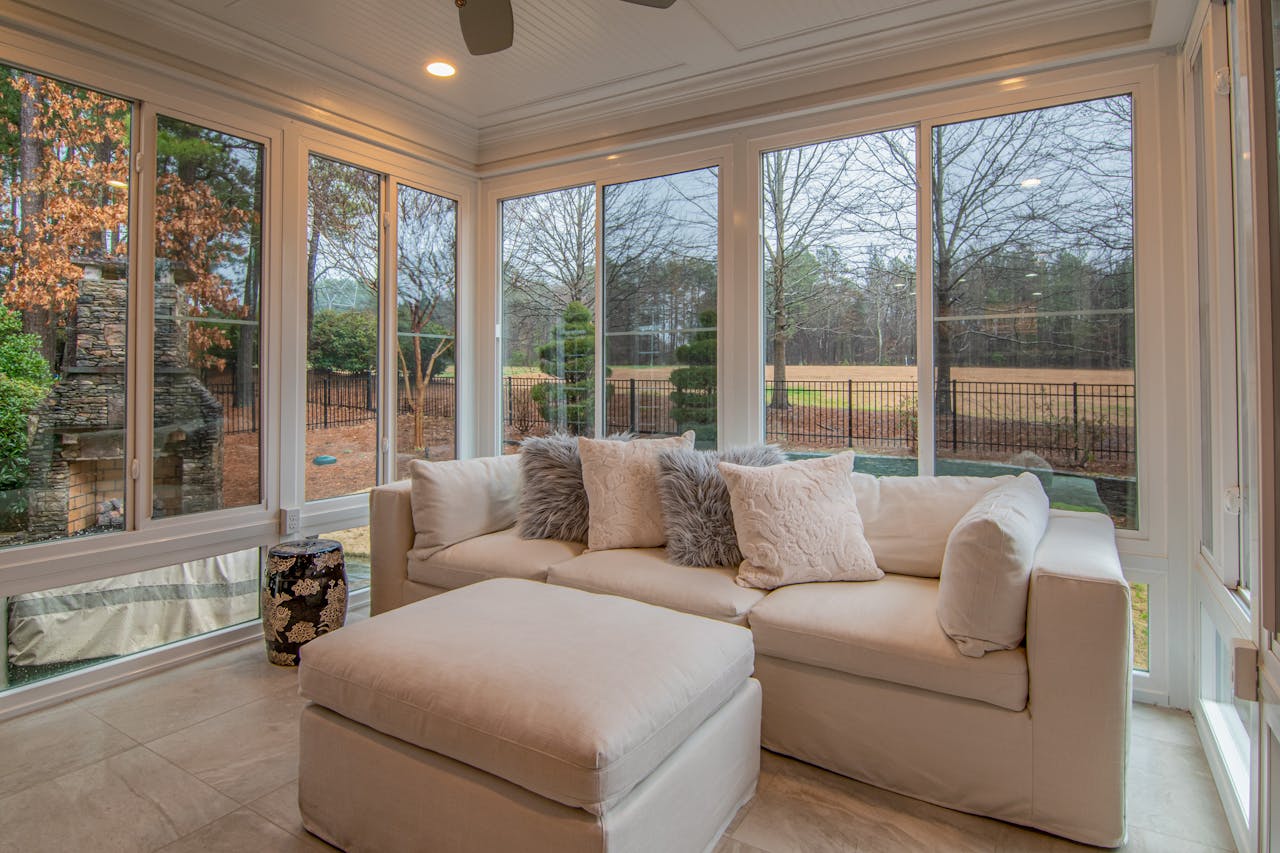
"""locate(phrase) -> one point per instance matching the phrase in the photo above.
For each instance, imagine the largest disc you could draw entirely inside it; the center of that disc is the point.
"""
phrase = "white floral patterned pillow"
(798, 522)
(621, 478)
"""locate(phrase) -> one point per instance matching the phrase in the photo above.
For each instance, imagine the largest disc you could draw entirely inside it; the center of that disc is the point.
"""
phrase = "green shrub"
(571, 356)
(344, 340)
(693, 402)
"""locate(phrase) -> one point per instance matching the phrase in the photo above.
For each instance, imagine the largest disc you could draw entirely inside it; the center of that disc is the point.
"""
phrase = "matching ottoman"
(514, 715)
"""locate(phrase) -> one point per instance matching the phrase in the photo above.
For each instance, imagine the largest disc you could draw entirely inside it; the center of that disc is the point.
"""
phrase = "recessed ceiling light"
(1037, 293)
(1033, 275)
(1030, 183)
(441, 69)
(119, 185)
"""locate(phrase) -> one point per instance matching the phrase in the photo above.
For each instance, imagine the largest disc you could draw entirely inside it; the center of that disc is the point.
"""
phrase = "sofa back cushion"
(908, 519)
(461, 499)
(798, 522)
(986, 571)
(621, 478)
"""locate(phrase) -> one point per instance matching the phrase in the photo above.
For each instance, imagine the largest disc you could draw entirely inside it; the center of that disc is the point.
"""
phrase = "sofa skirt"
(958, 753)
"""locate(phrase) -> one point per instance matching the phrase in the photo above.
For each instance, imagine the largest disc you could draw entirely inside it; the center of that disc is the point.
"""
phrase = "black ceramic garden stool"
(305, 596)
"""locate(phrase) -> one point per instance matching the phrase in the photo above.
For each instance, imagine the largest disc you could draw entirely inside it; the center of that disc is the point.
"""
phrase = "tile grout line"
(198, 780)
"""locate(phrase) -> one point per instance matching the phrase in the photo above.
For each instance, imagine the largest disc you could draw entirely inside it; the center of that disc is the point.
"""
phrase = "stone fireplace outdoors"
(78, 457)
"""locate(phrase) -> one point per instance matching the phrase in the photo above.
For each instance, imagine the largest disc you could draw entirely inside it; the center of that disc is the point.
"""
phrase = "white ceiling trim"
(783, 77)
(213, 51)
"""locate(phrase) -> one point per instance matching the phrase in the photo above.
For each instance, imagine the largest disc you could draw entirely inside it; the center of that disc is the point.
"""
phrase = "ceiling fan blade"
(487, 25)
(657, 4)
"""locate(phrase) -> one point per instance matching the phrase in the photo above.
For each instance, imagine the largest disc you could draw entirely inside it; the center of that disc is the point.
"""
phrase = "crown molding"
(223, 61)
(786, 84)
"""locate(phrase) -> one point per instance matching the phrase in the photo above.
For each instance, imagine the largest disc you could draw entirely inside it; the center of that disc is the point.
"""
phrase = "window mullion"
(388, 405)
(140, 361)
(925, 409)
(601, 406)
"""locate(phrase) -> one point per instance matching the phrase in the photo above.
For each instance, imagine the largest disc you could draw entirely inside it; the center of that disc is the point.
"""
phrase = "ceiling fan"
(487, 26)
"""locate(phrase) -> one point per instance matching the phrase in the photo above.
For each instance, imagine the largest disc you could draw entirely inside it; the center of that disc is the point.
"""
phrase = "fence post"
(1075, 407)
(849, 383)
(511, 402)
(368, 392)
(632, 406)
(955, 438)
(326, 401)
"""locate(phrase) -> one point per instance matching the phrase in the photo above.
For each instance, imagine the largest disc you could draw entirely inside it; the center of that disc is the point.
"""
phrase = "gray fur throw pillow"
(553, 500)
(695, 502)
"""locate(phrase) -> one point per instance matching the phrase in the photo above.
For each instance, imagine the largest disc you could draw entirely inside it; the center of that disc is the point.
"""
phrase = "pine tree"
(693, 402)
(569, 404)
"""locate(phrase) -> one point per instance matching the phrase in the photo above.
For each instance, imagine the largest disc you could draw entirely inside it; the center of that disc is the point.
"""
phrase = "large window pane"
(342, 328)
(1033, 297)
(661, 251)
(839, 249)
(64, 289)
(548, 314)
(208, 285)
(55, 631)
(426, 325)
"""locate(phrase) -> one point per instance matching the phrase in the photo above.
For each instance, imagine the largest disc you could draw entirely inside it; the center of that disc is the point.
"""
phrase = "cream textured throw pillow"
(986, 571)
(621, 478)
(798, 522)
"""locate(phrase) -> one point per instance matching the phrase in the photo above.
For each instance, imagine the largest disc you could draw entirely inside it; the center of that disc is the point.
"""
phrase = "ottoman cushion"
(574, 696)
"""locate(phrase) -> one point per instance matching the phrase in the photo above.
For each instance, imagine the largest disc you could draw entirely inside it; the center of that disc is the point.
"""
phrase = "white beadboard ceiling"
(573, 58)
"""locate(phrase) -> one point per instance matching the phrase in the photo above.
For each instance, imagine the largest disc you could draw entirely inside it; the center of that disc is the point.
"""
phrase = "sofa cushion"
(887, 630)
(645, 574)
(982, 601)
(798, 523)
(495, 555)
(573, 696)
(462, 498)
(908, 519)
(621, 478)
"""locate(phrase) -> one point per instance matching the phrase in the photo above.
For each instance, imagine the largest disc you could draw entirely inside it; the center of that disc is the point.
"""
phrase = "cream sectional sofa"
(858, 677)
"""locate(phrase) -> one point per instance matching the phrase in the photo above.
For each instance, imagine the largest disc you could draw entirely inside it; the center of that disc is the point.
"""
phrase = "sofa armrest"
(1079, 661)
(391, 535)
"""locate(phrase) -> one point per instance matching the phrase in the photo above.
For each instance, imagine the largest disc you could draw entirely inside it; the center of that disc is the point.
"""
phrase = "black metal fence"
(333, 400)
(1068, 423)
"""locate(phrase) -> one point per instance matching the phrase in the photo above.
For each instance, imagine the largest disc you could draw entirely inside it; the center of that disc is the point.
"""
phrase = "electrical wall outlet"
(290, 521)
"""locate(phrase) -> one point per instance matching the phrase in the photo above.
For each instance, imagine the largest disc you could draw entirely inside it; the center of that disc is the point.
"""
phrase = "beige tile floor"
(204, 758)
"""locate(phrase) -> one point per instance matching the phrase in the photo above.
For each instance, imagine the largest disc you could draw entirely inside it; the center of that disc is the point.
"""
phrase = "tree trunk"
(313, 256)
(420, 394)
(247, 342)
(36, 320)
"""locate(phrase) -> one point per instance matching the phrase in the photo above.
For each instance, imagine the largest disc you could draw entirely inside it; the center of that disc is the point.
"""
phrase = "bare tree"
(834, 194)
(425, 292)
(1037, 182)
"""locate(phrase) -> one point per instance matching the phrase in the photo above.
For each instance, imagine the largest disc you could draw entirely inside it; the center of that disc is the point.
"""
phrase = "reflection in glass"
(548, 314)
(60, 630)
(355, 554)
(661, 251)
(207, 390)
(64, 287)
(839, 251)
(1033, 297)
(342, 328)
(426, 320)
